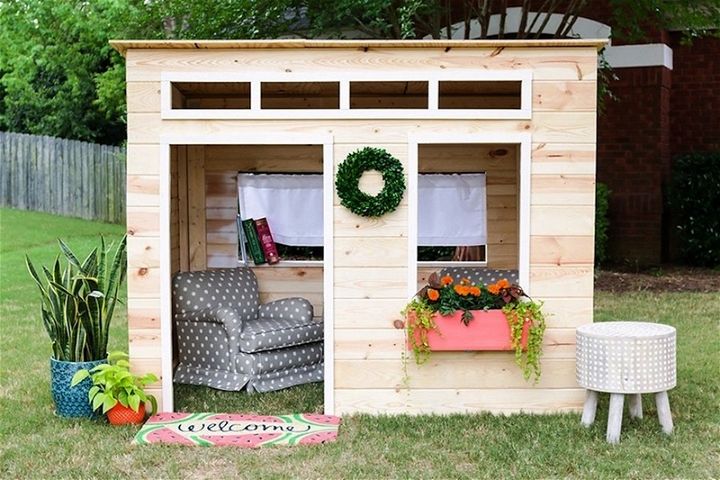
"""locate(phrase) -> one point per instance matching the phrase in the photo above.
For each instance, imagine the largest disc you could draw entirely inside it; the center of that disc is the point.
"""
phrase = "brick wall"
(695, 98)
(634, 161)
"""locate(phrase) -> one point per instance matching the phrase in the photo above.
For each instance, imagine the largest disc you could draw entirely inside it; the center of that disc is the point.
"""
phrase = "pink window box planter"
(488, 330)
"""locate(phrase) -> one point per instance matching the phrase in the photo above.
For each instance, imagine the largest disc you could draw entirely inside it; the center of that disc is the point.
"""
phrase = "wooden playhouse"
(521, 112)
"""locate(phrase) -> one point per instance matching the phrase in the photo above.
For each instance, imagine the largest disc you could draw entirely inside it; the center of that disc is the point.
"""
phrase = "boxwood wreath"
(348, 179)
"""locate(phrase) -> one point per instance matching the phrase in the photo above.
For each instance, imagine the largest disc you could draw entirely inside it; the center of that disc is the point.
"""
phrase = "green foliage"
(434, 254)
(50, 55)
(451, 301)
(113, 383)
(633, 19)
(694, 198)
(60, 77)
(419, 319)
(78, 300)
(602, 204)
(348, 178)
(519, 314)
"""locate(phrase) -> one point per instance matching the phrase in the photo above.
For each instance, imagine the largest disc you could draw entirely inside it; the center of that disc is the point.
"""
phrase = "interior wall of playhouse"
(369, 261)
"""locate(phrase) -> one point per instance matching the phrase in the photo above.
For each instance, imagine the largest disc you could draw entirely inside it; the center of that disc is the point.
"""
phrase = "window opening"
(479, 95)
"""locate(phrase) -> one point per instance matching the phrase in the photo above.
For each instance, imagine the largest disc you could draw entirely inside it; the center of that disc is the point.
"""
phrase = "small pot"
(122, 415)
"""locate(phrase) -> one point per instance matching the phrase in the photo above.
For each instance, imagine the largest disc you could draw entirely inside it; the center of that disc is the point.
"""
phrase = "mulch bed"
(665, 279)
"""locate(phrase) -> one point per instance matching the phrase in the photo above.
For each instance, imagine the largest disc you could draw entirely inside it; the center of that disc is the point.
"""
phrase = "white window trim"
(525, 142)
(268, 138)
(432, 112)
(440, 264)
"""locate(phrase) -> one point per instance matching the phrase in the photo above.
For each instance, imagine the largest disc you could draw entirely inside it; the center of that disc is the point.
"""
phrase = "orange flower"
(474, 291)
(462, 290)
(433, 294)
(465, 281)
(446, 280)
(494, 289)
(503, 283)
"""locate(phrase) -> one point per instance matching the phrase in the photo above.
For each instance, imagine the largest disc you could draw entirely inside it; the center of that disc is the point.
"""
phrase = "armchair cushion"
(287, 309)
(272, 360)
(270, 334)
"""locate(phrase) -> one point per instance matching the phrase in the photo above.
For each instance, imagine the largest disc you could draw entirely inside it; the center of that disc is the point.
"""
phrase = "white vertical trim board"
(166, 352)
(413, 148)
(524, 226)
(525, 142)
(266, 138)
(434, 94)
(344, 95)
(165, 97)
(328, 280)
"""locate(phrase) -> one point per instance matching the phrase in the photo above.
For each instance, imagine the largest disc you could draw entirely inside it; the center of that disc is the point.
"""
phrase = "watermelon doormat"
(214, 429)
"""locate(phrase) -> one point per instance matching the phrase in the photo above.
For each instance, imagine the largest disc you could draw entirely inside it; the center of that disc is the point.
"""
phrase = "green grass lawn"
(36, 444)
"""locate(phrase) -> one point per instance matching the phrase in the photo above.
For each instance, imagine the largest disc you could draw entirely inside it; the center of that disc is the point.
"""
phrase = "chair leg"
(590, 407)
(636, 405)
(663, 409)
(615, 417)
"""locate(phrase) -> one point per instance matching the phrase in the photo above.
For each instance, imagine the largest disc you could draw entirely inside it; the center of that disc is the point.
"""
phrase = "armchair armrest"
(227, 317)
(295, 308)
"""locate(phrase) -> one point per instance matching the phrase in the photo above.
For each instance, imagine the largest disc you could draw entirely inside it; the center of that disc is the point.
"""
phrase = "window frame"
(167, 112)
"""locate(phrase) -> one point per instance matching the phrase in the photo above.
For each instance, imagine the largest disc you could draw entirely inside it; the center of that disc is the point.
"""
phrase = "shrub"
(694, 200)
(602, 199)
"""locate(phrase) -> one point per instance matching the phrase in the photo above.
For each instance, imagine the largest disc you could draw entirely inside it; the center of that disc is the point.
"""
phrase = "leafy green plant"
(420, 321)
(518, 314)
(78, 300)
(113, 383)
(602, 206)
(694, 198)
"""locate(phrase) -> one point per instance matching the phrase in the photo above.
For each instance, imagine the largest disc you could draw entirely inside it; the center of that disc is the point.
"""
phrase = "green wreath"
(348, 179)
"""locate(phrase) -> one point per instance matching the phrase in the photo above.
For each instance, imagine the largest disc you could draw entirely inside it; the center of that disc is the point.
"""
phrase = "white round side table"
(626, 358)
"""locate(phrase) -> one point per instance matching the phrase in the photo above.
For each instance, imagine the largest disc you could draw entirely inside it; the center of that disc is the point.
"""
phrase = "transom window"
(461, 94)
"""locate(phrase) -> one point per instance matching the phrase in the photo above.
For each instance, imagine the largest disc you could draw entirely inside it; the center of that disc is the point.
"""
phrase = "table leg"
(615, 417)
(588, 416)
(663, 409)
(636, 405)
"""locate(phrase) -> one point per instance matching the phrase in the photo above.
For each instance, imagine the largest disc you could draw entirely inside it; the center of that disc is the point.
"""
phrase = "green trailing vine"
(517, 315)
(347, 182)
(418, 325)
(419, 322)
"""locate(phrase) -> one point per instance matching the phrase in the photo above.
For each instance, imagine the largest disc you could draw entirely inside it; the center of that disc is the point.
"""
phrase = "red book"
(266, 241)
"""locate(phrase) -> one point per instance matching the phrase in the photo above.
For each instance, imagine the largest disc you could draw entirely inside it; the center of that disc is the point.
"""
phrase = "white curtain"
(452, 210)
(292, 204)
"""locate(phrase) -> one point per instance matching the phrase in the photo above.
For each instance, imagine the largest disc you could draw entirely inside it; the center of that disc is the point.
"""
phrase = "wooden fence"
(64, 177)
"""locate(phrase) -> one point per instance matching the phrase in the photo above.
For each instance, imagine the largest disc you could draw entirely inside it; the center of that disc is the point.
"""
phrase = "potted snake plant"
(78, 299)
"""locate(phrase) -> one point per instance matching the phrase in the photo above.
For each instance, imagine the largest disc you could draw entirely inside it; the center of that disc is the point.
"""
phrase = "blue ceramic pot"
(71, 402)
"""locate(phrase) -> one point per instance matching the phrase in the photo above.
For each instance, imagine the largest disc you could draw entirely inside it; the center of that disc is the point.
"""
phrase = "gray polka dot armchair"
(227, 340)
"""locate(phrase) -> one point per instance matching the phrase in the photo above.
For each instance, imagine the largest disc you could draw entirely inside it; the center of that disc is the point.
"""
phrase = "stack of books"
(260, 243)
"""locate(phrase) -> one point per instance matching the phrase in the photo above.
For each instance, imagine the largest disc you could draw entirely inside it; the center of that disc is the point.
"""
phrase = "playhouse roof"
(124, 45)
